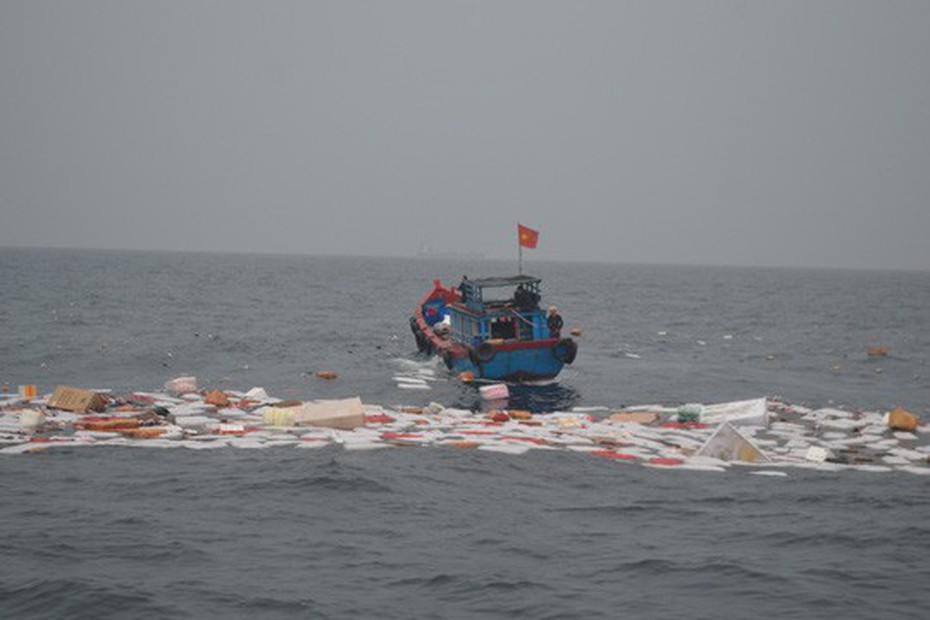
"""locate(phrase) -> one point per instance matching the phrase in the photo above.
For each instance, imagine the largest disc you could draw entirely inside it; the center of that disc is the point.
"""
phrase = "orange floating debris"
(610, 454)
(467, 376)
(378, 418)
(518, 414)
(877, 351)
(575, 332)
(902, 420)
(93, 423)
(217, 398)
(326, 374)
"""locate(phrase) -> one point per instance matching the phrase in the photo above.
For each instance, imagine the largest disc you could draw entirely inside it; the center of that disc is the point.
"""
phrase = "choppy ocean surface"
(430, 533)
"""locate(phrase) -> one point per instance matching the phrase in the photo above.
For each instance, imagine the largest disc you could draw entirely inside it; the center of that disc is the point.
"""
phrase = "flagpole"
(519, 251)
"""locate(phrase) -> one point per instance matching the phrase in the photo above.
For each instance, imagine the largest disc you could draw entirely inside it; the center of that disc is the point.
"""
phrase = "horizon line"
(484, 258)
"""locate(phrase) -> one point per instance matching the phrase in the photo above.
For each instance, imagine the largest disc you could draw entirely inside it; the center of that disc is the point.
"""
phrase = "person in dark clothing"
(525, 299)
(462, 287)
(555, 322)
(522, 298)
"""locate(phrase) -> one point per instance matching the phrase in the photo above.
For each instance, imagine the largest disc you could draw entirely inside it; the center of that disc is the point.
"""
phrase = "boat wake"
(416, 375)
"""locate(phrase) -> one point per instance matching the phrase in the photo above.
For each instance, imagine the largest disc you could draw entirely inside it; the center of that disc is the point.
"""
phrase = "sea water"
(415, 532)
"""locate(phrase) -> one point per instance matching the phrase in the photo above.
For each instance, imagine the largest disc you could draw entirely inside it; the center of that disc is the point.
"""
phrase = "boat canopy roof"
(526, 295)
(505, 281)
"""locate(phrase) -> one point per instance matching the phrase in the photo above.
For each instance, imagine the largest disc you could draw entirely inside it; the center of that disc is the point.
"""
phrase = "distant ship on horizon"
(426, 251)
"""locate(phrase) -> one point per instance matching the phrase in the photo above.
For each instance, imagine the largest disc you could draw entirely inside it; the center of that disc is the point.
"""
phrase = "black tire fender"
(565, 350)
(485, 352)
(422, 341)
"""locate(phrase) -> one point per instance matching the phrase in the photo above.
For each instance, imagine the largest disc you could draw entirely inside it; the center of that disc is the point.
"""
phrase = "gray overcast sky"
(746, 133)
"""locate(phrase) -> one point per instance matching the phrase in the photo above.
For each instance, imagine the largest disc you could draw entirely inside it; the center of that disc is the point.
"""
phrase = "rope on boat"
(519, 316)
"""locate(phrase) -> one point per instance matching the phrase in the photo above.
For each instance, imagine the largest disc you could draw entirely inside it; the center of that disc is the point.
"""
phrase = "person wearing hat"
(555, 322)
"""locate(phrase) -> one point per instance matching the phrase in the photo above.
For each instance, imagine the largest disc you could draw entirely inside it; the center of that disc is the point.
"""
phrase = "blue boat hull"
(518, 365)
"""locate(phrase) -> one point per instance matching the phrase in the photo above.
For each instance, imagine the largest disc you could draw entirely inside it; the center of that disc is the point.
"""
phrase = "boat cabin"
(499, 309)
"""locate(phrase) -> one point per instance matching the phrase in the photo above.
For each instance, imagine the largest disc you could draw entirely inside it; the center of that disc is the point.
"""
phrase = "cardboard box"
(728, 444)
(634, 417)
(344, 414)
(74, 399)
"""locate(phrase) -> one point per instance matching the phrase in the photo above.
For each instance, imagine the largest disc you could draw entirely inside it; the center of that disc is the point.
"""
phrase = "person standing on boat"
(554, 322)
(462, 288)
(523, 299)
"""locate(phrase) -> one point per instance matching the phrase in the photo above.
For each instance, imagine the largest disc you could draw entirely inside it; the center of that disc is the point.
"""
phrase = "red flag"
(528, 237)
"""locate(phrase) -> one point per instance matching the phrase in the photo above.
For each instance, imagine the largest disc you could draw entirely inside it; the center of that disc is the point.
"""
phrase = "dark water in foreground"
(421, 532)
(441, 533)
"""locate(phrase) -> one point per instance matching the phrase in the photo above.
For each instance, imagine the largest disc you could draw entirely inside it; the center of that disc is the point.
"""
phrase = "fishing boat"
(493, 328)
